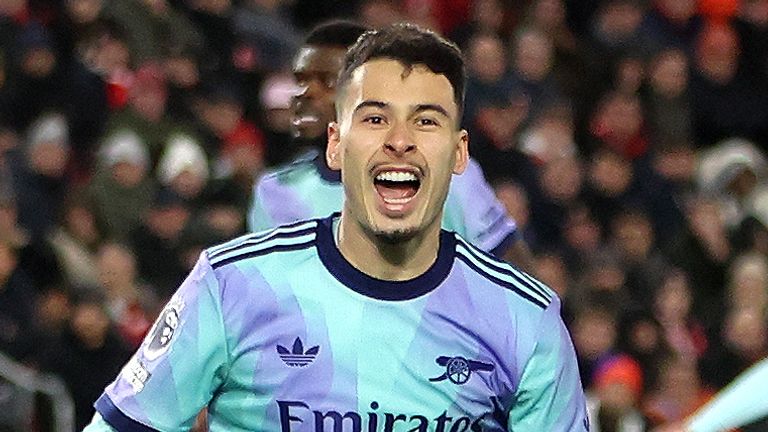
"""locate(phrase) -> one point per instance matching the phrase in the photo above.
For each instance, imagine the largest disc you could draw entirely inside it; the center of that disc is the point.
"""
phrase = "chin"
(393, 231)
(397, 235)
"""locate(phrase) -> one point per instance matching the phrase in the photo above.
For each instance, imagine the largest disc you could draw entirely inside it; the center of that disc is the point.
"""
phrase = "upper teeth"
(396, 176)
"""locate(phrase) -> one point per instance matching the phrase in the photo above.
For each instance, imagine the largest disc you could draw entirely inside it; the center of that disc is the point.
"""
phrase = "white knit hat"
(182, 153)
(49, 128)
(125, 146)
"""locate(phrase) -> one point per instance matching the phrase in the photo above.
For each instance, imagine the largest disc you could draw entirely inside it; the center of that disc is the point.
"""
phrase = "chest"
(329, 359)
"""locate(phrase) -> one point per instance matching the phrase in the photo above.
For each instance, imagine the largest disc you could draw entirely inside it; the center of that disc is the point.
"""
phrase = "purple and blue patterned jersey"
(276, 331)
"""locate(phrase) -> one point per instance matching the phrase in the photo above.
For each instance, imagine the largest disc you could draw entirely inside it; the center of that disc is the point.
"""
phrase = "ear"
(462, 153)
(333, 149)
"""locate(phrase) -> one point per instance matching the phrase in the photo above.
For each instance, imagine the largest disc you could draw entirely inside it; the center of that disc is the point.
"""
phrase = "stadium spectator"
(727, 99)
(157, 241)
(121, 188)
(88, 353)
(614, 400)
(75, 240)
(131, 305)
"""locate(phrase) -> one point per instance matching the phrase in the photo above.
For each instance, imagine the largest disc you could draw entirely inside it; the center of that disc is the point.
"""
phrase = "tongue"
(396, 190)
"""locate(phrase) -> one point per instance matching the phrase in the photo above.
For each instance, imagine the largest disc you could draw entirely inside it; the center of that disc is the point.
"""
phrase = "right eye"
(374, 119)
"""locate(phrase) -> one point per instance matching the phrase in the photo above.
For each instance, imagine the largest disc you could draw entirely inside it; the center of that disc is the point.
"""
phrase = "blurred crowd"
(627, 138)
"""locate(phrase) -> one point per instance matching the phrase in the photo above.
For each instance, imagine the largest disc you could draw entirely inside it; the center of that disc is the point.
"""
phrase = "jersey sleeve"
(178, 367)
(550, 396)
(744, 401)
(473, 211)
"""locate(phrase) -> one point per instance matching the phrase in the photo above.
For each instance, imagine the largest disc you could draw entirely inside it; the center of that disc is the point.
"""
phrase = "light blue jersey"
(308, 189)
(276, 331)
(743, 401)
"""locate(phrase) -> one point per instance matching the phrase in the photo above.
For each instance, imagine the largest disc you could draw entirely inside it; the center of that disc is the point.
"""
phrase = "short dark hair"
(410, 45)
(339, 33)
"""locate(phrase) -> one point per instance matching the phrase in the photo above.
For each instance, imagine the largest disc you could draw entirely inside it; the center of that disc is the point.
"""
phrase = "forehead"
(319, 59)
(390, 82)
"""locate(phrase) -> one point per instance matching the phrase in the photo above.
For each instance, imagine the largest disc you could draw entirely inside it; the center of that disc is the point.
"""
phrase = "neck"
(384, 259)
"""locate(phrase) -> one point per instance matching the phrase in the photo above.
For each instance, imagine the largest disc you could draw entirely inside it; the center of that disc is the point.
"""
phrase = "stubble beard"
(396, 236)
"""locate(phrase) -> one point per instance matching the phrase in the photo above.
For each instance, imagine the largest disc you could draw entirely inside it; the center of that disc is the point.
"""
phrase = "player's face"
(315, 69)
(397, 144)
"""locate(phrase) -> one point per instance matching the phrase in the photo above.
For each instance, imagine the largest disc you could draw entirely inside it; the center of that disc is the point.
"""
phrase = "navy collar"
(380, 289)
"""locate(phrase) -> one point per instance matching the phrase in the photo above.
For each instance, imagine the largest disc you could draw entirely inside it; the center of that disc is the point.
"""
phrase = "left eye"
(427, 122)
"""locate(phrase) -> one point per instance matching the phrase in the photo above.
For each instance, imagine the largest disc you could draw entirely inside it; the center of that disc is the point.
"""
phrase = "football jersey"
(277, 331)
(308, 189)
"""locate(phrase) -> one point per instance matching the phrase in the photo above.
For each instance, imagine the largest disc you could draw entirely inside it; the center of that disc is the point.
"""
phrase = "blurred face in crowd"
(188, 184)
(673, 299)
(548, 14)
(533, 55)
(397, 143)
(669, 73)
(222, 116)
(717, 53)
(634, 236)
(90, 323)
(748, 285)
(128, 174)
(745, 332)
(105, 54)
(677, 10)
(81, 223)
(582, 232)
(754, 11)
(116, 267)
(38, 62)
(594, 333)
(84, 11)
(49, 159)
(182, 71)
(488, 14)
(621, 115)
(486, 59)
(610, 174)
(315, 69)
(618, 19)
(167, 222)
(561, 179)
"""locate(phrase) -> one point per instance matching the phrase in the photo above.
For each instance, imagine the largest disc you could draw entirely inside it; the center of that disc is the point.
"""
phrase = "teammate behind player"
(374, 319)
(306, 188)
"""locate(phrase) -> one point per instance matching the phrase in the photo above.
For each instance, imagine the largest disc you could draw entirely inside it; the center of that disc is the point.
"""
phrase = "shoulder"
(520, 287)
(285, 238)
(285, 175)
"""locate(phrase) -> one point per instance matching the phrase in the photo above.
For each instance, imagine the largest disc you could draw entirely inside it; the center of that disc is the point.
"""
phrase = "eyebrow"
(370, 103)
(431, 107)
(419, 108)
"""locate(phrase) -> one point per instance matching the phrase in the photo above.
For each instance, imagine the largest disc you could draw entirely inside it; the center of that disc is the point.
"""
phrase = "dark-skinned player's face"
(315, 69)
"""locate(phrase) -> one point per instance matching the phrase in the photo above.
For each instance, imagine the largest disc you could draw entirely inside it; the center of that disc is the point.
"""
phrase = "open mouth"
(397, 186)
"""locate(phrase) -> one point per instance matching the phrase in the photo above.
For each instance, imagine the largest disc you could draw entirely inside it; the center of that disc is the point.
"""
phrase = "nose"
(399, 140)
